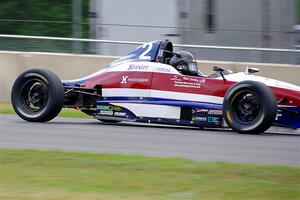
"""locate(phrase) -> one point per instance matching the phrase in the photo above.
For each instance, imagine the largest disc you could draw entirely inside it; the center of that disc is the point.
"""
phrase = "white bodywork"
(242, 76)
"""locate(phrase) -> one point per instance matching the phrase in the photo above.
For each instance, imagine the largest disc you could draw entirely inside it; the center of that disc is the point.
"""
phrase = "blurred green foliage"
(40, 17)
(298, 12)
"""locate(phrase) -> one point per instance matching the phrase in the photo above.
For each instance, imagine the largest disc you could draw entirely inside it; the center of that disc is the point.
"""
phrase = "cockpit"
(182, 61)
(165, 52)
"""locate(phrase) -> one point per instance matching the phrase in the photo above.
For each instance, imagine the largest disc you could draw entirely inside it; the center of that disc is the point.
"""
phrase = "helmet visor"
(193, 67)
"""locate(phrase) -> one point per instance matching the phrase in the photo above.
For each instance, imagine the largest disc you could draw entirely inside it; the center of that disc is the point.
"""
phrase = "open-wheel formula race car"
(144, 87)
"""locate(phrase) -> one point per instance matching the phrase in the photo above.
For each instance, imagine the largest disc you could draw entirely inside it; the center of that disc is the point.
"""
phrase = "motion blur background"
(238, 23)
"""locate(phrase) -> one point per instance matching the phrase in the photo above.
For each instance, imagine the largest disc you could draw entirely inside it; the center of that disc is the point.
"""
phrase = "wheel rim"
(34, 95)
(246, 107)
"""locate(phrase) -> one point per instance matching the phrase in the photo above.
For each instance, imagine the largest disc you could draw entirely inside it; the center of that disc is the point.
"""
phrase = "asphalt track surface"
(75, 134)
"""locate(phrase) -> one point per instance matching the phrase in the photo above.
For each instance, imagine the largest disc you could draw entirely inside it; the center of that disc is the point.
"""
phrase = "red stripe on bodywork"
(178, 83)
(190, 84)
(137, 80)
(292, 96)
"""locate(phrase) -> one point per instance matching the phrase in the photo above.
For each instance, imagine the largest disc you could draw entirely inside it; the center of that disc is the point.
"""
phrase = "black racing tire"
(249, 107)
(37, 95)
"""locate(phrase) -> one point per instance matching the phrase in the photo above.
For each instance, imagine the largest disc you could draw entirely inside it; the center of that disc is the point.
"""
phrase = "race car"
(154, 84)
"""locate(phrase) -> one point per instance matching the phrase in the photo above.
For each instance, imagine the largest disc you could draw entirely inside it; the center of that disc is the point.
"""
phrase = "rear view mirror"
(218, 69)
(251, 70)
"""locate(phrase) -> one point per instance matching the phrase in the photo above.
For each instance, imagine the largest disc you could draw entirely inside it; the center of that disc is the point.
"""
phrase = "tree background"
(41, 17)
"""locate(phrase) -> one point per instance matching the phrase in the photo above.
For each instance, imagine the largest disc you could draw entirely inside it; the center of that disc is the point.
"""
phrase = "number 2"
(143, 55)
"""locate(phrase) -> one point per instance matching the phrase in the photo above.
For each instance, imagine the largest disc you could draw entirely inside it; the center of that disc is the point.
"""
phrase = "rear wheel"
(37, 95)
(249, 107)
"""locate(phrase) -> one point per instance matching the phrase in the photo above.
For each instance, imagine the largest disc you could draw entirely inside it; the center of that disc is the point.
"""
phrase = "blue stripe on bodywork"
(289, 119)
(199, 111)
(283, 118)
(161, 101)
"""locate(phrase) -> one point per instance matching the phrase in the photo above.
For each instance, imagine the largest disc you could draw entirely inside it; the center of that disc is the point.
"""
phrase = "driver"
(185, 63)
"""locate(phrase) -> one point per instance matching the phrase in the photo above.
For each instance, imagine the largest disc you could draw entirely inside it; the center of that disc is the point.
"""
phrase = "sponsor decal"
(104, 107)
(202, 119)
(120, 114)
(162, 69)
(117, 108)
(126, 79)
(142, 67)
(213, 119)
(148, 67)
(200, 110)
(106, 112)
(215, 112)
(278, 115)
(193, 79)
(175, 78)
(186, 82)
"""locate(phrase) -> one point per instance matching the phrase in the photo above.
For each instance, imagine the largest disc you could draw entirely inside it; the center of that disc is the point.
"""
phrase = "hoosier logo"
(124, 79)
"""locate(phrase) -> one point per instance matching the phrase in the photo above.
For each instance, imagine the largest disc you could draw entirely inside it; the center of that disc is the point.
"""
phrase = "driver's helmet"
(184, 62)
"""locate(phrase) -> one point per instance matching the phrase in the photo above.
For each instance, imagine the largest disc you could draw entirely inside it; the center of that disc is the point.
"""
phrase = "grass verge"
(6, 108)
(32, 174)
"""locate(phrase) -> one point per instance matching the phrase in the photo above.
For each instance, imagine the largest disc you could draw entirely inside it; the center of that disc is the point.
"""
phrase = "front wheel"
(249, 107)
(37, 95)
